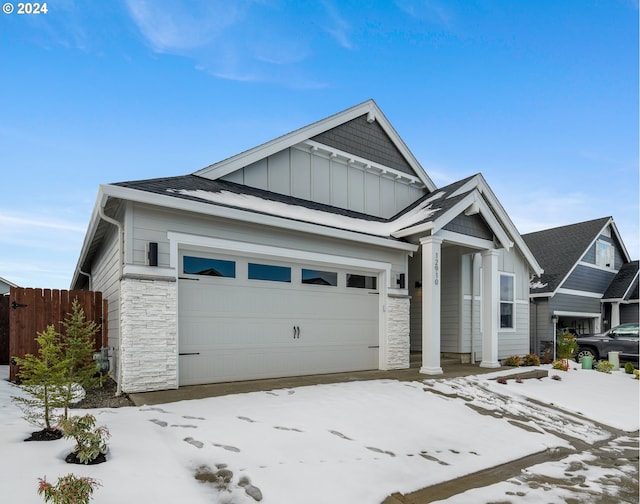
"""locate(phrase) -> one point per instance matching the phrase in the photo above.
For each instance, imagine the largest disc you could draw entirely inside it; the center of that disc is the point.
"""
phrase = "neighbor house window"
(269, 272)
(317, 277)
(208, 267)
(507, 301)
(604, 254)
(361, 281)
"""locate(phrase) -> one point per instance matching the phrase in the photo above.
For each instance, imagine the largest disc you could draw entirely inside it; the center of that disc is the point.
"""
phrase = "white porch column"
(431, 258)
(615, 314)
(490, 308)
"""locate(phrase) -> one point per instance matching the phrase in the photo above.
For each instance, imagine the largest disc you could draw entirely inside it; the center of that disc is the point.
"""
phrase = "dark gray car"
(622, 338)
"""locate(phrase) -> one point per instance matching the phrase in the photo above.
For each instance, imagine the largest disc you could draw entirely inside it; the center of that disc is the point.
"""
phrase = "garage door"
(250, 318)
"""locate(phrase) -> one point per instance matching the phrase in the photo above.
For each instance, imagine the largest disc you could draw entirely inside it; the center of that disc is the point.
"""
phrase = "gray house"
(327, 249)
(5, 286)
(588, 280)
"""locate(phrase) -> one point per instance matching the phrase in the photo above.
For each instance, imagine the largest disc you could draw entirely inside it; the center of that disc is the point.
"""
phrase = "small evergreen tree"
(78, 346)
(43, 377)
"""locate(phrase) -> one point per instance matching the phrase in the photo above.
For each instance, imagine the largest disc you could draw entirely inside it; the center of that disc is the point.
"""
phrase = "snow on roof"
(290, 211)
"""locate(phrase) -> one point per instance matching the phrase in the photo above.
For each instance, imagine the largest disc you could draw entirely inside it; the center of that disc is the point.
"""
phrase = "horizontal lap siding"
(152, 224)
(516, 342)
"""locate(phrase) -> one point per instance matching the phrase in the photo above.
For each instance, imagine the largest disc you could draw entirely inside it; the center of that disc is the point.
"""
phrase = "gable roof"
(625, 284)
(558, 250)
(395, 154)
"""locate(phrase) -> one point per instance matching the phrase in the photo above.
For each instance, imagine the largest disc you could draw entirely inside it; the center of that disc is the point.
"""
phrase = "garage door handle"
(374, 346)
(296, 332)
(190, 353)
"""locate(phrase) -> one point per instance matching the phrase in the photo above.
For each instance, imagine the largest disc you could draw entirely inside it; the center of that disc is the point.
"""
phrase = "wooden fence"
(4, 330)
(32, 310)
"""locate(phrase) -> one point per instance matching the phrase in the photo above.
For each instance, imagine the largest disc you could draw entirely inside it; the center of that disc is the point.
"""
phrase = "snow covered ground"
(350, 443)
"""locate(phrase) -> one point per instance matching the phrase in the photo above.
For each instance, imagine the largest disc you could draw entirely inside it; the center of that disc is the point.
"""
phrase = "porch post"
(615, 314)
(431, 259)
(490, 308)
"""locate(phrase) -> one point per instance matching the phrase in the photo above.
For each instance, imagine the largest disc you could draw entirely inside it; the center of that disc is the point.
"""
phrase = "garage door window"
(269, 272)
(361, 281)
(317, 277)
(208, 267)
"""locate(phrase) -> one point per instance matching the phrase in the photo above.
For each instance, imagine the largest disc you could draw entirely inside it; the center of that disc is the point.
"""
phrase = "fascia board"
(575, 265)
(619, 237)
(213, 210)
(486, 191)
(229, 165)
(101, 199)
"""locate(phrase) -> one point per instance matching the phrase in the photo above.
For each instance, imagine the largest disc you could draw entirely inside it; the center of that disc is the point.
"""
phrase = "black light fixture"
(400, 280)
(153, 254)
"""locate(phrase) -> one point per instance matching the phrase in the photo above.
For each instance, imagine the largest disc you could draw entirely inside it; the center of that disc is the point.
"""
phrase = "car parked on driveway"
(622, 338)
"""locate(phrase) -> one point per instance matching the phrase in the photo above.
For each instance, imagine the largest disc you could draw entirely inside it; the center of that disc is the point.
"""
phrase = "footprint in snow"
(194, 442)
(246, 419)
(288, 429)
(378, 450)
(186, 426)
(340, 435)
(227, 447)
(161, 423)
(155, 409)
(193, 417)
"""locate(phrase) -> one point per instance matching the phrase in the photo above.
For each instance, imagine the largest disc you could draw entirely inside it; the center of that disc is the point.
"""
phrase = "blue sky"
(540, 96)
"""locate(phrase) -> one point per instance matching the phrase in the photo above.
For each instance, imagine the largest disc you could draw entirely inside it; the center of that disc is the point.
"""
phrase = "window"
(316, 277)
(361, 281)
(269, 272)
(507, 299)
(604, 254)
(208, 267)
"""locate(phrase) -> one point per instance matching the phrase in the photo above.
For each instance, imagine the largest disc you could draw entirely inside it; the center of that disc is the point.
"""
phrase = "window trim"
(611, 253)
(511, 302)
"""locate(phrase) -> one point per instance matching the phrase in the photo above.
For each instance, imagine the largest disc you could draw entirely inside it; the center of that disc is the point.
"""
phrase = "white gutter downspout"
(118, 225)
(88, 275)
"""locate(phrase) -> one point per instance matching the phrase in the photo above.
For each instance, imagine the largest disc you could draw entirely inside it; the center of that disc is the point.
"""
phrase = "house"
(327, 249)
(5, 286)
(588, 282)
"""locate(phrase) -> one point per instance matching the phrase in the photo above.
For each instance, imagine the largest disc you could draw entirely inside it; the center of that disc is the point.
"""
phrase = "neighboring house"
(620, 301)
(5, 286)
(327, 249)
(587, 271)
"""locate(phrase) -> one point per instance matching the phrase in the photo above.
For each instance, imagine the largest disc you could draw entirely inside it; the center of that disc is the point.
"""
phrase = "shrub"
(514, 361)
(90, 441)
(531, 360)
(68, 490)
(567, 345)
(43, 377)
(628, 368)
(560, 365)
(604, 366)
(636, 374)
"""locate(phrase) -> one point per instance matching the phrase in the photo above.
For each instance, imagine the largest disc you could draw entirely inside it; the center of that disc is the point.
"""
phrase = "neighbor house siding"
(589, 279)
(629, 313)
(575, 304)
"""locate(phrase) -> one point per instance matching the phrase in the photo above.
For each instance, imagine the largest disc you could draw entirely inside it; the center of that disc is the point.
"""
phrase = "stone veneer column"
(398, 339)
(148, 335)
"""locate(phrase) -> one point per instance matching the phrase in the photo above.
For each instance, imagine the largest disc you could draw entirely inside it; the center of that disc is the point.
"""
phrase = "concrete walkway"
(451, 369)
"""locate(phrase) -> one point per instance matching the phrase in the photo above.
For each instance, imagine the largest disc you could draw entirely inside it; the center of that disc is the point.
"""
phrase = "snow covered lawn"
(345, 443)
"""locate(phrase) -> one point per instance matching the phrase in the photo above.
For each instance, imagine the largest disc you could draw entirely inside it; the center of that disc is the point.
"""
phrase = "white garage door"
(249, 318)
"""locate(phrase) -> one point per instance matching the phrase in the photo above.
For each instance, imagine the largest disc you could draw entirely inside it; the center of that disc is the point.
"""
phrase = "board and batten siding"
(316, 177)
(450, 293)
(151, 224)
